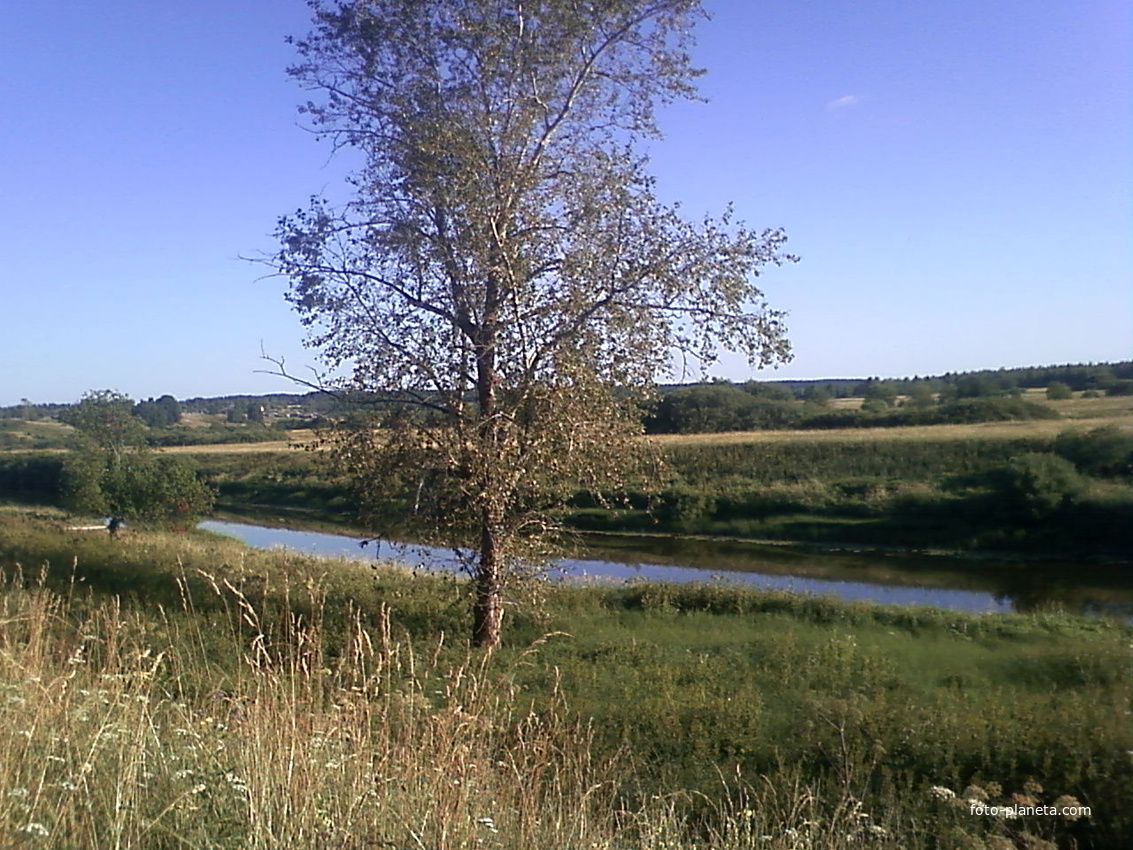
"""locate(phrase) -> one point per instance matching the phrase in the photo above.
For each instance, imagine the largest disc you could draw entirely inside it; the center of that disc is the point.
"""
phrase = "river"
(978, 586)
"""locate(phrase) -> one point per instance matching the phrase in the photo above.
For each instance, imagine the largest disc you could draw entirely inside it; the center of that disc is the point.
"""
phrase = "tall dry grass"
(254, 727)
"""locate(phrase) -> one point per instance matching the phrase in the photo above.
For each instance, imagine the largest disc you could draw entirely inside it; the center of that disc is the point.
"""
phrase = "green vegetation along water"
(967, 490)
(941, 581)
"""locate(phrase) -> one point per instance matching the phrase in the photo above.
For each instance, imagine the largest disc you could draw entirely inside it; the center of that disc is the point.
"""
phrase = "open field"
(1033, 428)
(1080, 413)
(296, 440)
(1048, 428)
(179, 690)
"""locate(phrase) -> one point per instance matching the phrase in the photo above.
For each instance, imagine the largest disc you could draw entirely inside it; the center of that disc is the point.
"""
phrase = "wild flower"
(976, 793)
(37, 830)
(236, 782)
(942, 793)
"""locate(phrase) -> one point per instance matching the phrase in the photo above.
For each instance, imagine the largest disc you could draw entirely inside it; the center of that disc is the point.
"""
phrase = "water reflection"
(974, 586)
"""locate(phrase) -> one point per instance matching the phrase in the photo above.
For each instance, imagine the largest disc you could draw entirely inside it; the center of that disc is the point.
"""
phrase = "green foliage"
(982, 385)
(1058, 391)
(159, 414)
(106, 419)
(1035, 486)
(30, 477)
(774, 392)
(719, 407)
(141, 487)
(293, 480)
(114, 474)
(1122, 387)
(81, 485)
(879, 457)
(882, 391)
(920, 396)
(1107, 450)
(709, 408)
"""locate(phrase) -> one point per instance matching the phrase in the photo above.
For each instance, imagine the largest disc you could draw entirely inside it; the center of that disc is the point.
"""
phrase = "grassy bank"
(179, 690)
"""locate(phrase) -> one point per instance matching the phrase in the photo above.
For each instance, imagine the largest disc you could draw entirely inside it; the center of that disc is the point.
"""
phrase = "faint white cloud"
(844, 102)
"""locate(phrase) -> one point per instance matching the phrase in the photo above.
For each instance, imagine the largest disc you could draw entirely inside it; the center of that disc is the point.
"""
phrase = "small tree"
(105, 419)
(1058, 391)
(1034, 486)
(112, 472)
(505, 267)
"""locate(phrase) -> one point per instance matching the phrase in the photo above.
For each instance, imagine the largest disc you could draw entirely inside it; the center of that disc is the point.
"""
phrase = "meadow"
(180, 690)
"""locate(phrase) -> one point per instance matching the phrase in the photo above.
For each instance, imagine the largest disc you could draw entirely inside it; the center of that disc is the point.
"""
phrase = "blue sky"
(955, 174)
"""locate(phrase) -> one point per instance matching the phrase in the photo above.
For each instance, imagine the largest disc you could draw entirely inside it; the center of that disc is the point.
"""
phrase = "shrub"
(1103, 451)
(140, 487)
(682, 504)
(1058, 391)
(1035, 485)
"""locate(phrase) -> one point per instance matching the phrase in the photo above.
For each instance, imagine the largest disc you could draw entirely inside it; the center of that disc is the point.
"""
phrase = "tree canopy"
(504, 263)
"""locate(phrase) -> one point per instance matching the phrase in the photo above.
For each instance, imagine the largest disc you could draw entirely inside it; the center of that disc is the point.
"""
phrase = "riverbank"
(970, 490)
(958, 584)
(641, 716)
(943, 489)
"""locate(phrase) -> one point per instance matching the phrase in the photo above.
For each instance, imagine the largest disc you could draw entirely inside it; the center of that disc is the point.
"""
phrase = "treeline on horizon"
(716, 406)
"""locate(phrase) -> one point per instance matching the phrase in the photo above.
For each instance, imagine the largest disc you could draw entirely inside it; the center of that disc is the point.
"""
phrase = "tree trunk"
(488, 608)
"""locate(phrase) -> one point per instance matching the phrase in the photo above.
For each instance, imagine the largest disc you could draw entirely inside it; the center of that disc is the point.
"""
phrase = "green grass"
(22, 435)
(169, 690)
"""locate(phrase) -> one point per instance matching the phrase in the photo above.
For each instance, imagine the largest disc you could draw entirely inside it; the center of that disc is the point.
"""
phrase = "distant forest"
(694, 408)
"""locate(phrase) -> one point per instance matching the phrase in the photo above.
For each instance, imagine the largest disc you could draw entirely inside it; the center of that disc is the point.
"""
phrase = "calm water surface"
(965, 585)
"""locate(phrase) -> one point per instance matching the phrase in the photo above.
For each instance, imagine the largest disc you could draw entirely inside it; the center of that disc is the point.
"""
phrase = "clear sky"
(956, 175)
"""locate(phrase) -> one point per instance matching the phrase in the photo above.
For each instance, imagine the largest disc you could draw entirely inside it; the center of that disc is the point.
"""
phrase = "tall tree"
(504, 264)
